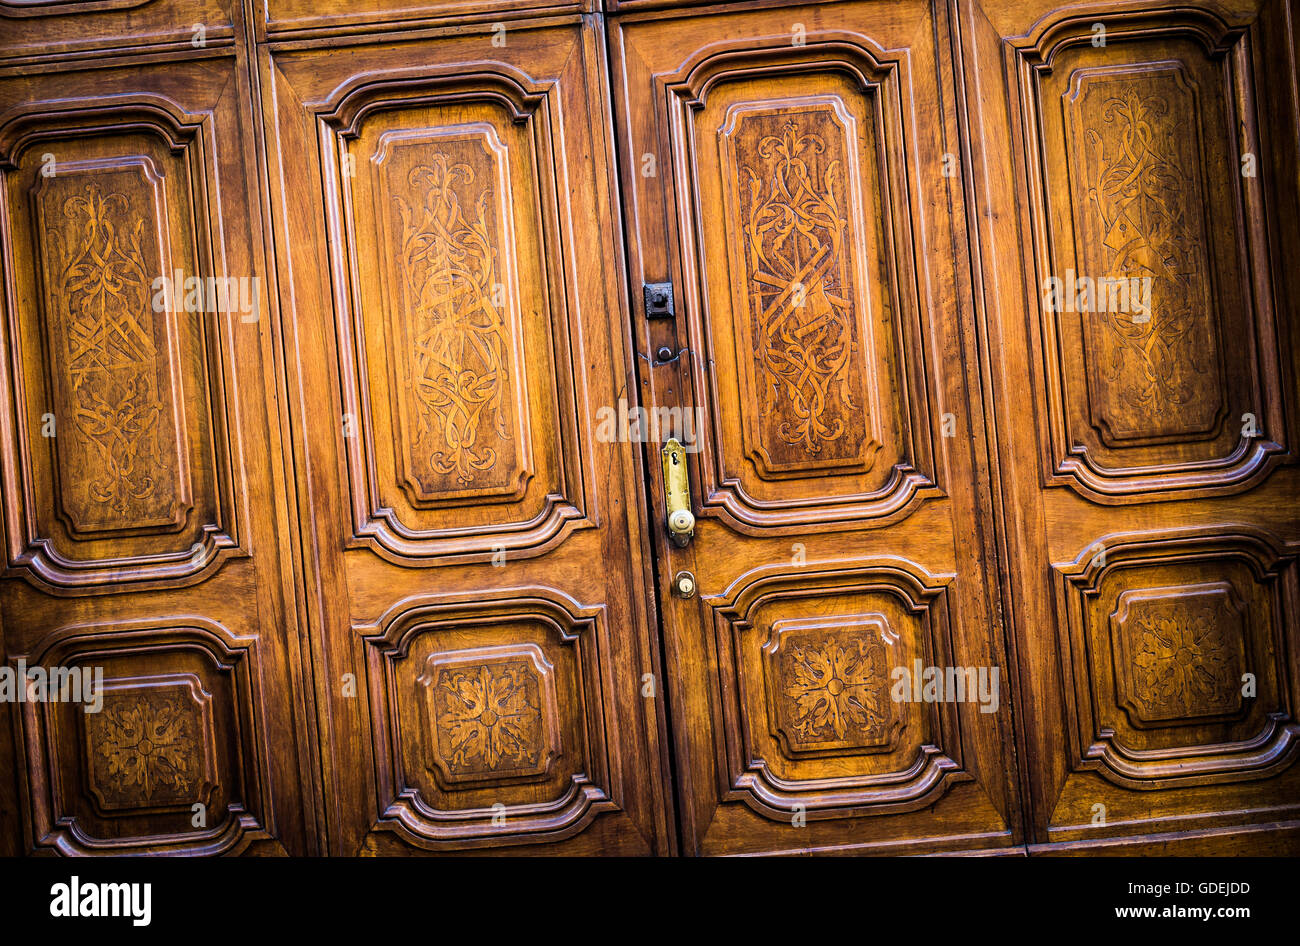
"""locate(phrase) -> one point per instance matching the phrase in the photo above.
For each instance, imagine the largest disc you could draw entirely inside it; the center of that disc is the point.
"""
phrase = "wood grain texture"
(984, 347)
(1149, 539)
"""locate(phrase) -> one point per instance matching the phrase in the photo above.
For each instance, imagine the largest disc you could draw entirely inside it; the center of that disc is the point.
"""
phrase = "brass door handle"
(677, 494)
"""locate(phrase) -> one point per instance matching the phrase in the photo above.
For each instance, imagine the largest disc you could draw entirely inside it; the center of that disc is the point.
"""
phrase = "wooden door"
(792, 173)
(1147, 444)
(486, 666)
(140, 456)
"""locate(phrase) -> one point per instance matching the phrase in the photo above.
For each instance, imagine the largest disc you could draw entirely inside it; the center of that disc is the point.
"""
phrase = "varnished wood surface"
(365, 574)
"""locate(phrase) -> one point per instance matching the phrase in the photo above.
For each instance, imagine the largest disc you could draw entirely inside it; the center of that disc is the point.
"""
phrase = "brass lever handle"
(677, 494)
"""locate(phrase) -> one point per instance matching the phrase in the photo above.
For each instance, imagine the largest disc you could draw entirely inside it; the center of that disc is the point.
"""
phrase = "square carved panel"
(1176, 644)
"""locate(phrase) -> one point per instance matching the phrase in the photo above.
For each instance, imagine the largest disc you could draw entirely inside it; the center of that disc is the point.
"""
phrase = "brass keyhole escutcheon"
(684, 585)
(677, 494)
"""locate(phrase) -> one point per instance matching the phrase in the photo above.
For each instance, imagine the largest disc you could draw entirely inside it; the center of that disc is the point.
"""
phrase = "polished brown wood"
(976, 326)
(485, 657)
(142, 465)
(1146, 464)
(825, 324)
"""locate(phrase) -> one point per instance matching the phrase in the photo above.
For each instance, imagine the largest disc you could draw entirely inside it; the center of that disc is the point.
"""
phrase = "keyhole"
(675, 460)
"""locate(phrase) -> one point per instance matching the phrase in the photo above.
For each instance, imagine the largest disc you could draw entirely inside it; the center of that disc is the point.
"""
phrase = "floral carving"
(836, 691)
(145, 749)
(489, 717)
(1184, 666)
(458, 320)
(100, 292)
(794, 228)
(1148, 224)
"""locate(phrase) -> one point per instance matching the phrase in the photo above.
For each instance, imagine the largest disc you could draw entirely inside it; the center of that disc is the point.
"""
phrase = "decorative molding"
(153, 748)
(1099, 433)
(533, 476)
(1154, 641)
(878, 377)
(845, 649)
(462, 695)
(127, 546)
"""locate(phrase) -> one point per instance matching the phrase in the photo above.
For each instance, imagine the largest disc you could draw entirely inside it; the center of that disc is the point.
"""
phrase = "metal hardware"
(659, 300)
(684, 585)
(677, 494)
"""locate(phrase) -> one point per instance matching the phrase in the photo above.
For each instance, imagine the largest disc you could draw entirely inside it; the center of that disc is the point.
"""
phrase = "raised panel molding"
(811, 307)
(828, 684)
(41, 30)
(487, 704)
(121, 463)
(137, 485)
(1156, 637)
(491, 713)
(181, 723)
(462, 414)
(806, 382)
(456, 327)
(1130, 150)
(804, 677)
(152, 744)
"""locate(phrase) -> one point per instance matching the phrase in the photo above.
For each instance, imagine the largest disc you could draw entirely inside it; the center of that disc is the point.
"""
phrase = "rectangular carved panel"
(103, 242)
(458, 389)
(814, 400)
(121, 375)
(1178, 645)
(1155, 317)
(1138, 199)
(794, 184)
(447, 194)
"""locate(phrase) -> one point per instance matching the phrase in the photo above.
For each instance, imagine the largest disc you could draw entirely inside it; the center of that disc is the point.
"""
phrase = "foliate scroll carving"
(460, 341)
(491, 714)
(1154, 368)
(118, 445)
(1180, 651)
(836, 691)
(1161, 639)
(795, 228)
(149, 744)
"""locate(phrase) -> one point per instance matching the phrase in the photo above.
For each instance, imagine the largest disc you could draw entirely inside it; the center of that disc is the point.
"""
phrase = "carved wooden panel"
(828, 683)
(1154, 321)
(793, 186)
(457, 333)
(1179, 652)
(147, 534)
(1178, 645)
(123, 434)
(454, 322)
(807, 669)
(120, 460)
(486, 708)
(813, 403)
(461, 423)
(177, 727)
(152, 742)
(56, 28)
(490, 713)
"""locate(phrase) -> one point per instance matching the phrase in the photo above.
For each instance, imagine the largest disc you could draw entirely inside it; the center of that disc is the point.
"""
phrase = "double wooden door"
(380, 562)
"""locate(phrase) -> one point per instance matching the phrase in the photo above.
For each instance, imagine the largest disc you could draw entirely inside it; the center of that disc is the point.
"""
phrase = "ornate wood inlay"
(488, 717)
(117, 443)
(1138, 206)
(457, 390)
(792, 190)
